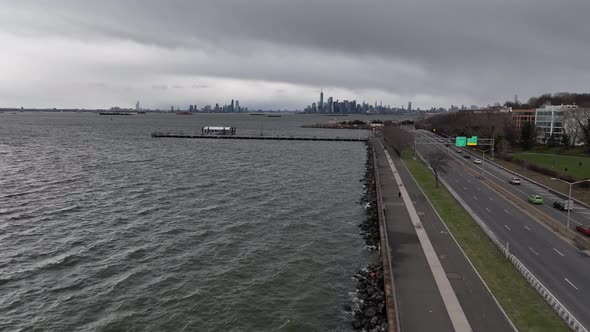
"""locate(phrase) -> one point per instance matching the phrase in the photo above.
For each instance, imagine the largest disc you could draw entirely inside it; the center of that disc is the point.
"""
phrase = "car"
(459, 151)
(477, 161)
(514, 181)
(536, 199)
(584, 230)
(564, 205)
(466, 156)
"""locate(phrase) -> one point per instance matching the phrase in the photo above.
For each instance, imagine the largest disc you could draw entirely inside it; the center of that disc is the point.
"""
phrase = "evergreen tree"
(528, 136)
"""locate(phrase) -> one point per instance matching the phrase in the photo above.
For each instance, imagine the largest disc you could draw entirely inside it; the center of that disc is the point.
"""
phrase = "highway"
(559, 265)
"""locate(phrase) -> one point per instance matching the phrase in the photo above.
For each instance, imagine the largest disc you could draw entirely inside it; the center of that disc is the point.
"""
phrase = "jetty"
(253, 137)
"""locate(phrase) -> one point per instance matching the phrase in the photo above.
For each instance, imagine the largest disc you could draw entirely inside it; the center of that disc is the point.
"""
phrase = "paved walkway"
(420, 304)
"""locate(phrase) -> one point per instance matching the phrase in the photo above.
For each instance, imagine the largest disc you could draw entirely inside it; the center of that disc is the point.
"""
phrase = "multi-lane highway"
(563, 268)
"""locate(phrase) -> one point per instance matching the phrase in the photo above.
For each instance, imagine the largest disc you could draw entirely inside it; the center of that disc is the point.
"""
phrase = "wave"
(63, 262)
(73, 208)
(24, 193)
(148, 211)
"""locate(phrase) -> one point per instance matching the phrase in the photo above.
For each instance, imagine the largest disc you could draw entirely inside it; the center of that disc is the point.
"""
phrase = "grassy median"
(526, 308)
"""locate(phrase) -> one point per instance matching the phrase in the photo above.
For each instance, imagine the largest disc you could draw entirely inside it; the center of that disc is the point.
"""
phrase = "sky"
(278, 54)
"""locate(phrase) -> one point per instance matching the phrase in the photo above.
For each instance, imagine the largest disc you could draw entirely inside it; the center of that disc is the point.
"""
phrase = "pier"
(274, 138)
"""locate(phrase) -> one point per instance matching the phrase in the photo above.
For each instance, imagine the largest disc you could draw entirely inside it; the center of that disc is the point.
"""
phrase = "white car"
(477, 161)
(514, 181)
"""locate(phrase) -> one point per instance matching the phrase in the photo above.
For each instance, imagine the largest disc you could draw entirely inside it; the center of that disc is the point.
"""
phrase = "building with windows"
(520, 117)
(549, 121)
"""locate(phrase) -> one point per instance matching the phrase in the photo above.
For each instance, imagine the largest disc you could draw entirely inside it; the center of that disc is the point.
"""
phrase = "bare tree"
(439, 162)
(580, 119)
(573, 120)
(399, 138)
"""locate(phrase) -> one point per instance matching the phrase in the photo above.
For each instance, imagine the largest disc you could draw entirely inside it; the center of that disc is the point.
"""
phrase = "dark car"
(467, 156)
(584, 230)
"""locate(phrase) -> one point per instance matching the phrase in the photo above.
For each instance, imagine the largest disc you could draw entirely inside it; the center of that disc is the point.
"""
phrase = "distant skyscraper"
(237, 106)
(171, 108)
(137, 106)
(232, 105)
(321, 105)
(409, 106)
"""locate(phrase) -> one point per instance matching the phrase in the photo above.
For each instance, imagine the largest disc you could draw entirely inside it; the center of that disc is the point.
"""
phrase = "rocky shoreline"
(370, 313)
(370, 226)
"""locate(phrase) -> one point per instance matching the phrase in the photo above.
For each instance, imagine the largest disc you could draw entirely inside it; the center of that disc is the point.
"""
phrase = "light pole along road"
(569, 198)
(483, 161)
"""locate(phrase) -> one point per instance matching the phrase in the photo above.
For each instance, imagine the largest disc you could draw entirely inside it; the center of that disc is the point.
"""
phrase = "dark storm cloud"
(483, 50)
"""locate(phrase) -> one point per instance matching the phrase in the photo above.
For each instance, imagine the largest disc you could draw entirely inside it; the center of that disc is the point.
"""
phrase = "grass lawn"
(526, 308)
(578, 167)
(569, 151)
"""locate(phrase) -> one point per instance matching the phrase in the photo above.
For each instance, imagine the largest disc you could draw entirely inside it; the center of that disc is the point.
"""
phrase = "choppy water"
(104, 228)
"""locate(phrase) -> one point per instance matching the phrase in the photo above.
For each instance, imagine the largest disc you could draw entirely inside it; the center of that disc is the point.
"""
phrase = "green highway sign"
(472, 141)
(461, 141)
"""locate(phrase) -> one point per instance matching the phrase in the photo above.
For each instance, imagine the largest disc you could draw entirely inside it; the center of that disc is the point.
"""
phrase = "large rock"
(370, 312)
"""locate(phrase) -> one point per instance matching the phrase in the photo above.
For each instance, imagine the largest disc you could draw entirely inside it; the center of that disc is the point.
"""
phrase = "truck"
(564, 204)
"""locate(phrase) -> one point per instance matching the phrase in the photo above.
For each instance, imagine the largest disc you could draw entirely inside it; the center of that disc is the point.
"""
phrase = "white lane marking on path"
(506, 211)
(478, 189)
(456, 313)
(475, 198)
(488, 210)
(464, 188)
(536, 253)
(508, 227)
(527, 227)
(574, 286)
(490, 197)
(558, 252)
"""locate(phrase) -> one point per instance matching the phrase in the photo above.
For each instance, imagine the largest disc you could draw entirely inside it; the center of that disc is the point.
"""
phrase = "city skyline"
(114, 53)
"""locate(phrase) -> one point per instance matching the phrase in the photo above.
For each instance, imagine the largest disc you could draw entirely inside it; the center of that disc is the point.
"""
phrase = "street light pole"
(569, 207)
(483, 162)
(569, 197)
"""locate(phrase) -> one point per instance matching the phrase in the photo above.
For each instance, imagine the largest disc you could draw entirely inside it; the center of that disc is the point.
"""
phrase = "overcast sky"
(280, 53)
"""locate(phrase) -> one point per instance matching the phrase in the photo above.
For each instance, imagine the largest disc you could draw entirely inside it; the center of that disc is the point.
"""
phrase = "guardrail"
(559, 308)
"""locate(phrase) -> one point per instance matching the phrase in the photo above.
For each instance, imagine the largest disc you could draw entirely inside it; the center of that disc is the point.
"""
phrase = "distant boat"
(141, 112)
(114, 113)
(218, 131)
(274, 116)
(184, 113)
(257, 114)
